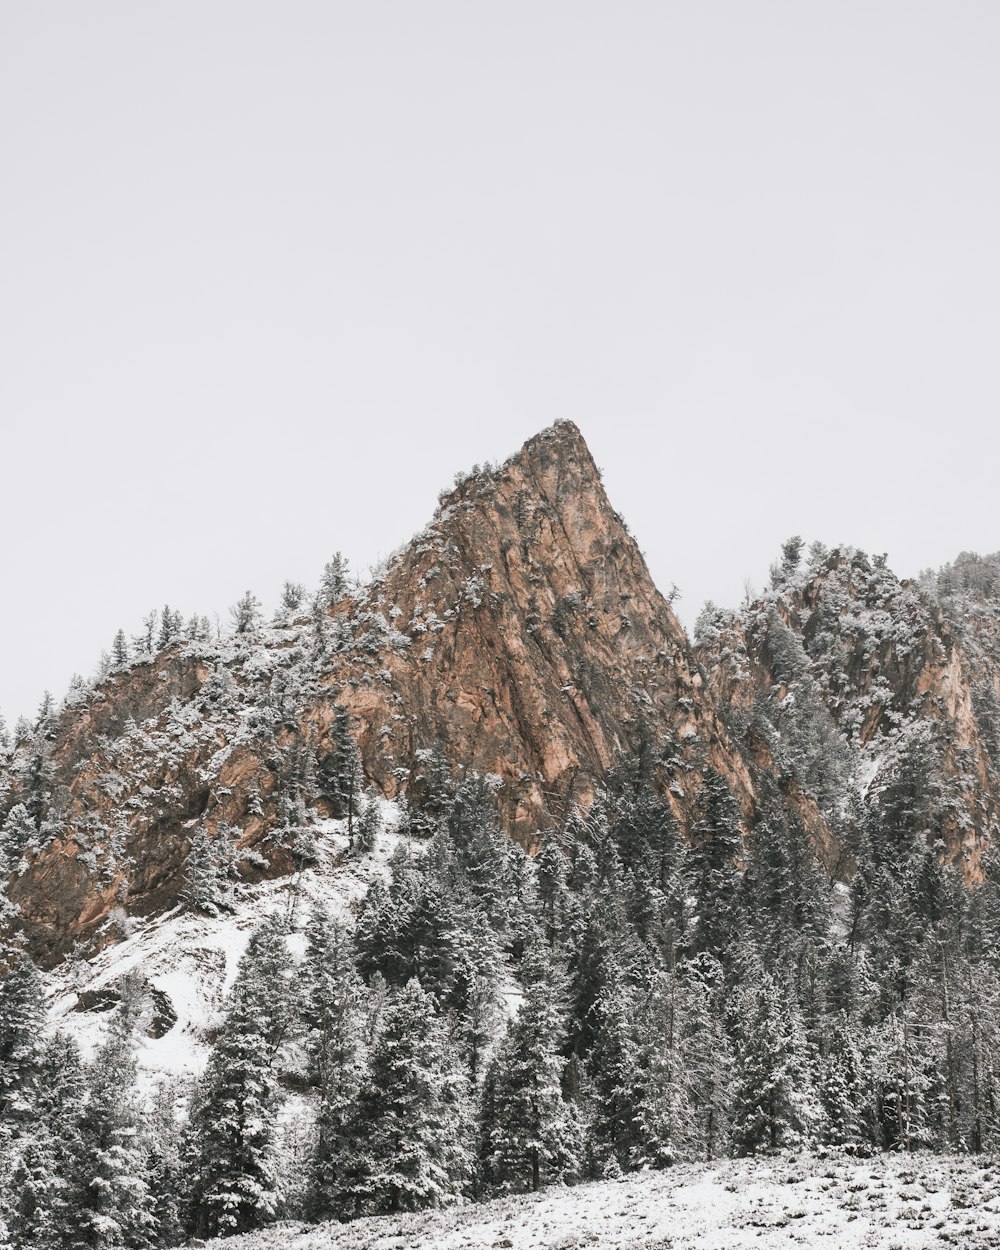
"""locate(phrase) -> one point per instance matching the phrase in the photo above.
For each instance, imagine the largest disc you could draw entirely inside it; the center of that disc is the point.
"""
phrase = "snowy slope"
(903, 1202)
(192, 958)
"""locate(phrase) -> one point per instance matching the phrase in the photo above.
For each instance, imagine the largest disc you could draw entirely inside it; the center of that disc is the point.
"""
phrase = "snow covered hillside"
(187, 959)
(895, 1202)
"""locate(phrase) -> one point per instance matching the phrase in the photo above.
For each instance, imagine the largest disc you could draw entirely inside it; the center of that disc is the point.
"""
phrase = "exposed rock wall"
(519, 635)
(538, 646)
(882, 676)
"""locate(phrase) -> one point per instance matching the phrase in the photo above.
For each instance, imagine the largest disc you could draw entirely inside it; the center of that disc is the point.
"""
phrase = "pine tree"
(120, 654)
(791, 555)
(766, 890)
(369, 826)
(116, 1209)
(333, 584)
(19, 832)
(430, 792)
(166, 634)
(685, 1067)
(605, 950)
(657, 887)
(842, 1088)
(22, 1019)
(426, 925)
(204, 887)
(245, 614)
(380, 932)
(22, 1016)
(29, 1203)
(484, 855)
(530, 1133)
(46, 714)
(783, 898)
(774, 1103)
(613, 1064)
(165, 1170)
(718, 847)
(45, 1158)
(332, 994)
(338, 769)
(232, 1126)
(292, 596)
(902, 1066)
(144, 642)
(553, 893)
(984, 906)
(411, 1112)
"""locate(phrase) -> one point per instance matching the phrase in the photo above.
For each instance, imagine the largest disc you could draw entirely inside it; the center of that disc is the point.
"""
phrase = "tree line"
(491, 1022)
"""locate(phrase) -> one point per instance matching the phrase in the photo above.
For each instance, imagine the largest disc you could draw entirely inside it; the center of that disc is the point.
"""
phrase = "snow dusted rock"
(519, 635)
(183, 963)
(861, 682)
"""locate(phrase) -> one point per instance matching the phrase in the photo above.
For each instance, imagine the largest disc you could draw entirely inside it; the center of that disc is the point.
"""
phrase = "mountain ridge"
(519, 636)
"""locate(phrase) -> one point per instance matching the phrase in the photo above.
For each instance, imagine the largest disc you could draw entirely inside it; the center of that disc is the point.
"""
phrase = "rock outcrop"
(518, 636)
(875, 693)
(535, 646)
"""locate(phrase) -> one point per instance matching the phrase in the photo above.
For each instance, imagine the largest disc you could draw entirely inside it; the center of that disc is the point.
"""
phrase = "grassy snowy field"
(898, 1203)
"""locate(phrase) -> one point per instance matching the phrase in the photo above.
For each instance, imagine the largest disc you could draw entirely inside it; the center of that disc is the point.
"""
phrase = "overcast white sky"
(271, 273)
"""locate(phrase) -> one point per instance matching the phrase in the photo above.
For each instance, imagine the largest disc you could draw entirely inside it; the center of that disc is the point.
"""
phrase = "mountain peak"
(562, 437)
(544, 652)
(518, 636)
(557, 452)
(560, 450)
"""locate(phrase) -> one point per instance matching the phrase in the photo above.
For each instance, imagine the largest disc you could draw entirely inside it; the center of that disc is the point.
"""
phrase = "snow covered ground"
(192, 958)
(892, 1202)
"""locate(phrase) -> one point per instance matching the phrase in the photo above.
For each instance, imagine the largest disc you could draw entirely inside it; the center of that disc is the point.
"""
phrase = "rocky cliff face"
(878, 696)
(519, 636)
(532, 644)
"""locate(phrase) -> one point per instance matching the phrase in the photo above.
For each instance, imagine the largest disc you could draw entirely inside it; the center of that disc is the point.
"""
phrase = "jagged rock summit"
(519, 636)
(538, 648)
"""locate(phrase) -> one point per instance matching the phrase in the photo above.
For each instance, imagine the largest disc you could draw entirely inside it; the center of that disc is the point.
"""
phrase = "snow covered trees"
(684, 1068)
(22, 1017)
(333, 584)
(338, 768)
(411, 1111)
(204, 884)
(530, 1135)
(17, 834)
(115, 1206)
(41, 1095)
(246, 614)
(333, 1011)
(45, 1160)
(715, 866)
(235, 1187)
(774, 1103)
(492, 1023)
(120, 653)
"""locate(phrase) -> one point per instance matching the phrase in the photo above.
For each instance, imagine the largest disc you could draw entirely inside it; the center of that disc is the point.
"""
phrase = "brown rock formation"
(519, 635)
(538, 646)
(891, 683)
